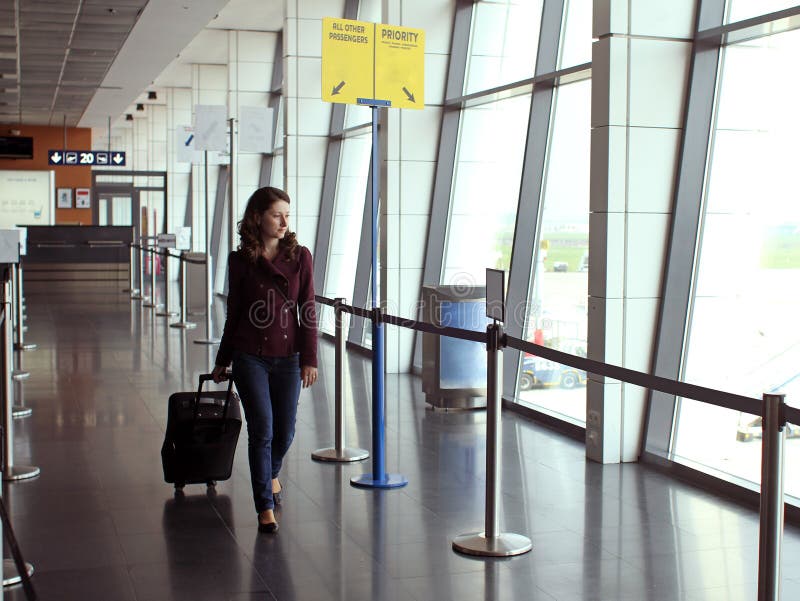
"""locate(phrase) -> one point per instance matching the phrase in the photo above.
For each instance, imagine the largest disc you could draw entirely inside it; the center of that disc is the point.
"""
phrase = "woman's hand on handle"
(308, 375)
(220, 374)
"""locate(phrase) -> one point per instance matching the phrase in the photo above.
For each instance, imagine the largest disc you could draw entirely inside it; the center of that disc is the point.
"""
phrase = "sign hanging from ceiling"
(364, 62)
(86, 158)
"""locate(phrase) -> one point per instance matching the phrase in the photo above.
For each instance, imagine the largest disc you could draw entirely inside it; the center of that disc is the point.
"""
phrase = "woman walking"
(270, 335)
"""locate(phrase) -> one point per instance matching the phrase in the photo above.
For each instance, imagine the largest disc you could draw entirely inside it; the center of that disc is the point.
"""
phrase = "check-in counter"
(70, 258)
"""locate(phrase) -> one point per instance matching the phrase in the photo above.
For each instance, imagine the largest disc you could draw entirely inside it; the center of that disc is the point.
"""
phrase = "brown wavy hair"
(249, 230)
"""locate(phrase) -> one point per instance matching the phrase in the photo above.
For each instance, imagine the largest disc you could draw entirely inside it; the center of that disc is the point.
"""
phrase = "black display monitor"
(16, 147)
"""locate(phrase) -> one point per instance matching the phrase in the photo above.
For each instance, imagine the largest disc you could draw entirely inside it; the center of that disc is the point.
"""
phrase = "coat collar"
(269, 265)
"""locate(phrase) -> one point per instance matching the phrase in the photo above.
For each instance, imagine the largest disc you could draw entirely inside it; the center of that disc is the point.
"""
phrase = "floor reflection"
(100, 523)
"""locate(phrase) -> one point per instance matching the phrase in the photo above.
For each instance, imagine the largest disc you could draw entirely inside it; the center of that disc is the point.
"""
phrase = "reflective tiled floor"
(101, 524)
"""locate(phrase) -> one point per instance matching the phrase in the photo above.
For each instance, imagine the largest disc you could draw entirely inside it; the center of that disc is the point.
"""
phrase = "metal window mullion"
(672, 326)
(327, 205)
(361, 286)
(446, 157)
(265, 175)
(219, 219)
(531, 191)
(188, 210)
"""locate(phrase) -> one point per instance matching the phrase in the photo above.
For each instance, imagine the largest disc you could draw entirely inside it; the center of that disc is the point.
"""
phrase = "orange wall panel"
(49, 138)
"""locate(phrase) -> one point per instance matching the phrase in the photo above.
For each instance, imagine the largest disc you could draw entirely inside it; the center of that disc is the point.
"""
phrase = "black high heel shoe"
(268, 527)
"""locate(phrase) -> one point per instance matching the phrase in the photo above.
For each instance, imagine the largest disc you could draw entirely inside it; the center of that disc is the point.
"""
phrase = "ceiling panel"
(90, 59)
(66, 47)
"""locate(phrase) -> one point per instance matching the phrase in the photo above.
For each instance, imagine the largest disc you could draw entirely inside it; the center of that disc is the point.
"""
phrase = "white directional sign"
(255, 129)
(183, 238)
(9, 246)
(185, 152)
(209, 127)
(85, 158)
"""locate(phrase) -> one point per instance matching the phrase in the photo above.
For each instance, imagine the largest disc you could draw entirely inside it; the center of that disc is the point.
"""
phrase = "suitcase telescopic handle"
(205, 378)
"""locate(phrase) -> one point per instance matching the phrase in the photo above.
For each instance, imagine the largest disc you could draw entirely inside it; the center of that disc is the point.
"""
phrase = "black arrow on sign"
(409, 94)
(337, 89)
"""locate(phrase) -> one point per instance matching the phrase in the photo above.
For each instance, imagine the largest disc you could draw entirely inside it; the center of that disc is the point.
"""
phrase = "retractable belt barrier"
(15, 570)
(137, 294)
(19, 374)
(772, 408)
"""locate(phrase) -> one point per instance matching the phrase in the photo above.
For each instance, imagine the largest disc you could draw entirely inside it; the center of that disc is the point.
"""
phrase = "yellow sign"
(363, 62)
(347, 60)
(400, 66)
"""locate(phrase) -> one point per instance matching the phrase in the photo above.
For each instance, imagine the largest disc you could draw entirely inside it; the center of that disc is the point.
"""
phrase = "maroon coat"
(260, 320)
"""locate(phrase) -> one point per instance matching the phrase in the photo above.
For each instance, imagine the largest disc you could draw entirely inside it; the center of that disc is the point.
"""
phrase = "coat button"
(285, 337)
(265, 338)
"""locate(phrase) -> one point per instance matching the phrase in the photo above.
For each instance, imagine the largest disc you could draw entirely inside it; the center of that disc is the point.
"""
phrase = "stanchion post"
(11, 472)
(209, 339)
(19, 343)
(131, 262)
(183, 323)
(378, 478)
(339, 453)
(153, 302)
(491, 542)
(166, 312)
(770, 533)
(140, 295)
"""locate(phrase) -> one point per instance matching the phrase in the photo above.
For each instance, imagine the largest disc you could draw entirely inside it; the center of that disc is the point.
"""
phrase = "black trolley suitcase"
(202, 431)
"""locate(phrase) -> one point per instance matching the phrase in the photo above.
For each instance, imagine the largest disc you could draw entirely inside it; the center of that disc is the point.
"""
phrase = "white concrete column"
(179, 115)
(306, 117)
(210, 87)
(250, 63)
(640, 65)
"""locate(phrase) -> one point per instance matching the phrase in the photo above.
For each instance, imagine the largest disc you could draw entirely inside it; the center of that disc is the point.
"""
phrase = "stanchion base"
(206, 341)
(18, 375)
(167, 313)
(343, 456)
(18, 411)
(389, 481)
(20, 472)
(11, 575)
(504, 544)
(186, 325)
(28, 346)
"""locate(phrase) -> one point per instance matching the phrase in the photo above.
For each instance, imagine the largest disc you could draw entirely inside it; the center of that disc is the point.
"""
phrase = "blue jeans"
(269, 388)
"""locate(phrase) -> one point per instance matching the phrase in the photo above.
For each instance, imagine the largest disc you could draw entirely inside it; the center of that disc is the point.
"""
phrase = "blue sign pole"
(378, 478)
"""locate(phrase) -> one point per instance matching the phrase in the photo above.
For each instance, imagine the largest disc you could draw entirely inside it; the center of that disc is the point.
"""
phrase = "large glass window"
(350, 193)
(505, 37)
(486, 190)
(557, 315)
(576, 44)
(744, 333)
(739, 10)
